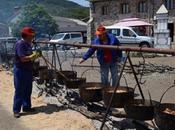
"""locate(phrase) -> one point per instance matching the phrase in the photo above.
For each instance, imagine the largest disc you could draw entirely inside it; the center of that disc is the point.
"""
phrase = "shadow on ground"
(47, 109)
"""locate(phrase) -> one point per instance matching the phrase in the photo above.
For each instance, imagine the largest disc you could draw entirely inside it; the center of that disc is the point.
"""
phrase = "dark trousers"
(23, 88)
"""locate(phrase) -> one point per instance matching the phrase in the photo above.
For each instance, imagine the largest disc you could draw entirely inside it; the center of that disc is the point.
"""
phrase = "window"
(105, 10)
(169, 4)
(67, 36)
(75, 35)
(142, 8)
(125, 8)
(116, 32)
(128, 33)
(57, 36)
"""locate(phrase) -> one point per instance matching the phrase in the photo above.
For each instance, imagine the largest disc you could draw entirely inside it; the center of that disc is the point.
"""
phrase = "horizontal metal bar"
(94, 66)
(123, 48)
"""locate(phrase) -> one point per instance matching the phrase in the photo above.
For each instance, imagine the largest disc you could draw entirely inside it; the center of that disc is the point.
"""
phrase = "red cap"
(28, 31)
(100, 30)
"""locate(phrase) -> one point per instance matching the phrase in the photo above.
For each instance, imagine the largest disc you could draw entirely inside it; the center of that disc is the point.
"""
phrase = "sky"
(81, 2)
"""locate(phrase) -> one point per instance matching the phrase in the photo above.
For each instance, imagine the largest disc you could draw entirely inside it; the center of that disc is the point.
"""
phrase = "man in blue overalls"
(23, 72)
(107, 58)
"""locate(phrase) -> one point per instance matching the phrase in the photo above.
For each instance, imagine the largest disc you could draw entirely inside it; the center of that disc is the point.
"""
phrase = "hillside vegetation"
(62, 8)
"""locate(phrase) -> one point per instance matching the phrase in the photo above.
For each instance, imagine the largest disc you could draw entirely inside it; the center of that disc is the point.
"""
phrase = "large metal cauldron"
(67, 74)
(165, 114)
(35, 69)
(139, 109)
(43, 72)
(91, 92)
(75, 83)
(122, 95)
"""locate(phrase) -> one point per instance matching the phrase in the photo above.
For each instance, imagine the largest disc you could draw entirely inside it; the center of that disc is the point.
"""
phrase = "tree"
(35, 16)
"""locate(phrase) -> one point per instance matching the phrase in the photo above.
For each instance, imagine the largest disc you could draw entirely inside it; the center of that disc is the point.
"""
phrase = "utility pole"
(149, 10)
(149, 5)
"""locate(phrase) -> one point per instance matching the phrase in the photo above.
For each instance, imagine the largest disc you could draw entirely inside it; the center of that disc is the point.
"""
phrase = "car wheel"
(144, 44)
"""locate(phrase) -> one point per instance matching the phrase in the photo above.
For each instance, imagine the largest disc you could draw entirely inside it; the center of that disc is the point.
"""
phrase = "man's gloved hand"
(39, 53)
(35, 55)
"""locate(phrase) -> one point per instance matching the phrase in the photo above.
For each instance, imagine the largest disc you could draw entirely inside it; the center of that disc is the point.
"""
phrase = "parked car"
(70, 37)
(7, 44)
(7, 50)
(127, 36)
(42, 46)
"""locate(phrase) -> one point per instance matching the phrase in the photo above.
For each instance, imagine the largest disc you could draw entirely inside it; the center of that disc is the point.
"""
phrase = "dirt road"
(47, 117)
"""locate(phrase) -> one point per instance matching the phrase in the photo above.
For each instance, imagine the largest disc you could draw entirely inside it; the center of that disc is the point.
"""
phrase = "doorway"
(171, 28)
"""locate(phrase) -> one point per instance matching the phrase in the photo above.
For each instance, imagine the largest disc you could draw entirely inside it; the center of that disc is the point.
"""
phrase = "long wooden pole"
(123, 48)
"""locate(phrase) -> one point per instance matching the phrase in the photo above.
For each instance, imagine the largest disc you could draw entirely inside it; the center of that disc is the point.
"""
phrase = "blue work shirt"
(112, 40)
(22, 49)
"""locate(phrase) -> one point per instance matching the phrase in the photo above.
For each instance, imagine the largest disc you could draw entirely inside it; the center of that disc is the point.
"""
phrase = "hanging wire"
(142, 70)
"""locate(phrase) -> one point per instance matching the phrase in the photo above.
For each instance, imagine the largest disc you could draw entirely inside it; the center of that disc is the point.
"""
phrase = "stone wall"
(114, 14)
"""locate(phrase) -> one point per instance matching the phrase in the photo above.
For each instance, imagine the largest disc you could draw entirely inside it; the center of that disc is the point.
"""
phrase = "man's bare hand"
(81, 60)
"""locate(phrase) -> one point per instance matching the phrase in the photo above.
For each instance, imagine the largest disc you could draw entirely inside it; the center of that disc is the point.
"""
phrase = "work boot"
(29, 110)
(16, 114)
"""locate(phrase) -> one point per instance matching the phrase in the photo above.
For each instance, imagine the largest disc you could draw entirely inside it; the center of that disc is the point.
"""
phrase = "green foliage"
(53, 7)
(77, 13)
(35, 16)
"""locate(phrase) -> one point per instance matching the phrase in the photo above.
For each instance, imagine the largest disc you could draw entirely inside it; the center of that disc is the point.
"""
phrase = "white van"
(70, 37)
(127, 36)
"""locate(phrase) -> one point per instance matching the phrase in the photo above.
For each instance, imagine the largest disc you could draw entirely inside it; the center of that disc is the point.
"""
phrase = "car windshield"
(57, 36)
(139, 32)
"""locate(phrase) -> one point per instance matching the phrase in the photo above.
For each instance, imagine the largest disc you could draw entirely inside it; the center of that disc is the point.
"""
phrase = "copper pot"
(68, 74)
(165, 116)
(122, 95)
(43, 72)
(91, 92)
(139, 109)
(75, 83)
(35, 69)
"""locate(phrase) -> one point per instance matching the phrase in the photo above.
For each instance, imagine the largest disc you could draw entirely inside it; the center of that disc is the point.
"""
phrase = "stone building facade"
(108, 12)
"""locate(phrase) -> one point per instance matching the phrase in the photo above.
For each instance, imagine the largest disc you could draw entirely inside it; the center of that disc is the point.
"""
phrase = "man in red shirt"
(107, 58)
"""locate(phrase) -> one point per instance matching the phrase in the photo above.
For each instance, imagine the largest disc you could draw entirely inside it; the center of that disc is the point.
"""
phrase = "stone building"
(108, 12)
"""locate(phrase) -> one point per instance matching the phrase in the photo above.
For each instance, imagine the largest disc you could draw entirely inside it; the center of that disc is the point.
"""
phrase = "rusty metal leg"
(58, 58)
(135, 76)
(111, 99)
(52, 54)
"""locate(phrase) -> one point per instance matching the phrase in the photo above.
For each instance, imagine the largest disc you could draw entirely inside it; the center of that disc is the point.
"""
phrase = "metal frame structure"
(128, 50)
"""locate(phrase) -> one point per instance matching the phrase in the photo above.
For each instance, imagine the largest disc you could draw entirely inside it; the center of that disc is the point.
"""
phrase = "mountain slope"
(62, 8)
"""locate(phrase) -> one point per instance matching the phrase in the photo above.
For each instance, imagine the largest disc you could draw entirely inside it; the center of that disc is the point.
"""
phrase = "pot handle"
(89, 70)
(73, 52)
(150, 97)
(92, 68)
(166, 91)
